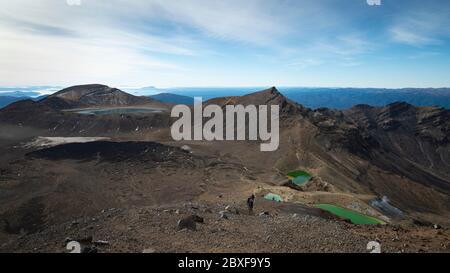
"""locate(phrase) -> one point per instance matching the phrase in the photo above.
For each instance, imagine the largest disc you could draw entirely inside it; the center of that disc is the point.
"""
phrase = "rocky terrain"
(127, 190)
(225, 228)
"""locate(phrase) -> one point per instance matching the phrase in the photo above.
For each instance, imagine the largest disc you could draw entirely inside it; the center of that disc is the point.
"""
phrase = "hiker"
(250, 202)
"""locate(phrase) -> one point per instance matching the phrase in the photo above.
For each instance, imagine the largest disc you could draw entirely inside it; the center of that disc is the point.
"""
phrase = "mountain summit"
(98, 95)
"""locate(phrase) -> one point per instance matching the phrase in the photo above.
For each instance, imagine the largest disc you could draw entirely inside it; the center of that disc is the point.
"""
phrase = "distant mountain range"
(343, 98)
(29, 91)
(173, 98)
(337, 98)
(9, 95)
(6, 100)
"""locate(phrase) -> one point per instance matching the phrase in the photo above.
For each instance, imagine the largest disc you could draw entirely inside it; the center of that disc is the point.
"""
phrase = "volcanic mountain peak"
(270, 91)
(267, 96)
(77, 91)
(98, 95)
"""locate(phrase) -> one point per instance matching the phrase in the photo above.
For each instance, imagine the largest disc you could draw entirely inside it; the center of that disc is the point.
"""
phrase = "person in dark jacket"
(250, 203)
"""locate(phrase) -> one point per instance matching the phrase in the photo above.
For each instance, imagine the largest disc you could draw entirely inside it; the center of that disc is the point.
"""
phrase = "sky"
(217, 43)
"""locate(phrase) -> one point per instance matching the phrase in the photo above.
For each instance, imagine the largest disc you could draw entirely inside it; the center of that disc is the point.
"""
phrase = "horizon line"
(217, 86)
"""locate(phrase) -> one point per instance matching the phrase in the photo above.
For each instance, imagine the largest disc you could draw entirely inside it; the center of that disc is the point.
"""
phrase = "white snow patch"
(54, 141)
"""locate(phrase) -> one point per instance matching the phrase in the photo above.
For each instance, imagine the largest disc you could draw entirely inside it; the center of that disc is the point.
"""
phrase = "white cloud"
(174, 42)
(41, 60)
(422, 24)
(51, 42)
(305, 63)
(411, 37)
(345, 45)
(44, 43)
(248, 21)
(73, 2)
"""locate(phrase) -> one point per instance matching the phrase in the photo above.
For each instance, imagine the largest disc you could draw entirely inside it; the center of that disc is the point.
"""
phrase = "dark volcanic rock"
(189, 222)
(110, 151)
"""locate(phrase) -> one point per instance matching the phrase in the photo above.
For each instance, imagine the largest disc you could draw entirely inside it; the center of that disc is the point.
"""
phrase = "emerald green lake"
(273, 197)
(299, 177)
(117, 110)
(355, 217)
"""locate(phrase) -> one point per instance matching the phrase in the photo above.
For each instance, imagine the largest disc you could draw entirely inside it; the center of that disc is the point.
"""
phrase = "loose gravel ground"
(154, 229)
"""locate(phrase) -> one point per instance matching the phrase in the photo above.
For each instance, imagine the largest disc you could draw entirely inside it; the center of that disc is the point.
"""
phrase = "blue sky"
(168, 43)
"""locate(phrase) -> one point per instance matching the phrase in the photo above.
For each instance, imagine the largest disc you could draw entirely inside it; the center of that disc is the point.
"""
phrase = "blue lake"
(110, 111)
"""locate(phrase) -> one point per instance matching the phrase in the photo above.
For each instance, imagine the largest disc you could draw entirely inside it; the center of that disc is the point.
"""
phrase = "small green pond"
(299, 177)
(273, 197)
(355, 217)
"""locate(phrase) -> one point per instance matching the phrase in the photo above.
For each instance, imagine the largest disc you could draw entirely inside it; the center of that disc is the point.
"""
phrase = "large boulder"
(189, 222)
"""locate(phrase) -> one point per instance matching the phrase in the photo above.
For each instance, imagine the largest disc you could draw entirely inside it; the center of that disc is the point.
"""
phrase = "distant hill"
(19, 94)
(143, 91)
(10, 95)
(173, 98)
(343, 98)
(27, 91)
(6, 100)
